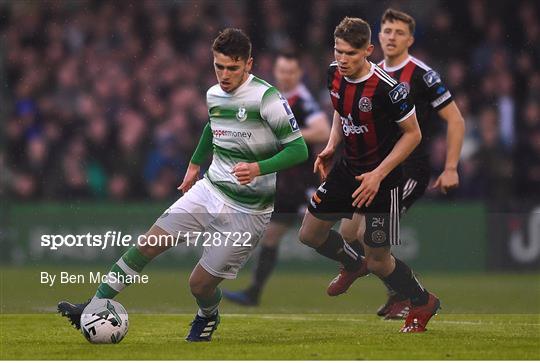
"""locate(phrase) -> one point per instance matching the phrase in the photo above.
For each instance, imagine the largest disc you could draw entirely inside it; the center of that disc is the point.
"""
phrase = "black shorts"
(333, 201)
(293, 187)
(416, 175)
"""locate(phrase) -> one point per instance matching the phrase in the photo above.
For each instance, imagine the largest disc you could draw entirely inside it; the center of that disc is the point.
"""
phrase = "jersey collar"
(243, 85)
(395, 68)
(364, 78)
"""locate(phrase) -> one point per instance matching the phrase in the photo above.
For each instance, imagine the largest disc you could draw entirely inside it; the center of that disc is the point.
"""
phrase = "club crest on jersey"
(241, 115)
(431, 77)
(398, 93)
(364, 104)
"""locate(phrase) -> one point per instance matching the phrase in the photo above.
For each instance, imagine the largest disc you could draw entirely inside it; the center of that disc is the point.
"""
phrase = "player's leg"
(415, 182)
(349, 230)
(204, 287)
(234, 235)
(188, 213)
(382, 231)
(266, 262)
(397, 305)
(331, 202)
(396, 274)
(319, 235)
(131, 263)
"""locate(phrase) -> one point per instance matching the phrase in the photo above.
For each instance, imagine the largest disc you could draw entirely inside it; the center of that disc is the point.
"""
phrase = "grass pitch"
(483, 317)
(280, 336)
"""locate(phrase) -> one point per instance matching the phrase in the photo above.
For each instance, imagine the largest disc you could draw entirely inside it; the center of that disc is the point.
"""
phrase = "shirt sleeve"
(437, 93)
(204, 148)
(276, 111)
(400, 104)
(292, 153)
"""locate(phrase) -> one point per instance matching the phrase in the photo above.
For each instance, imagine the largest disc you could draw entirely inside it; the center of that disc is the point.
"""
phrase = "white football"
(104, 321)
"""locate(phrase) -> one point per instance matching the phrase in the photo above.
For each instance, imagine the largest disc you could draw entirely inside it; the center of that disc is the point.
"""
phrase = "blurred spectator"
(493, 164)
(107, 99)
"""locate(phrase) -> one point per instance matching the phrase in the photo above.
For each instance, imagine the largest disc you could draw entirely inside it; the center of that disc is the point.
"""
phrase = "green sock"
(130, 264)
(209, 306)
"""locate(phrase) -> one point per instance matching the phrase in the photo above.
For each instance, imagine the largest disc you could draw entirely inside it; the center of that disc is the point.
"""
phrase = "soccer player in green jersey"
(253, 134)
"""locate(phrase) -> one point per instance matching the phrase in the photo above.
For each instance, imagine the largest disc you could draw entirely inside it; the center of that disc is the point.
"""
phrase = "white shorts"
(201, 217)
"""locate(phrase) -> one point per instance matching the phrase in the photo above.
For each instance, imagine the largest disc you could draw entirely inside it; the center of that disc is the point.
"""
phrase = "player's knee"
(308, 237)
(348, 236)
(198, 287)
(378, 264)
(154, 242)
(372, 265)
(360, 235)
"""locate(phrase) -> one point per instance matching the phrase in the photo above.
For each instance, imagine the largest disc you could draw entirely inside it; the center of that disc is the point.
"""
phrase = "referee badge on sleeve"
(431, 77)
(294, 124)
(398, 93)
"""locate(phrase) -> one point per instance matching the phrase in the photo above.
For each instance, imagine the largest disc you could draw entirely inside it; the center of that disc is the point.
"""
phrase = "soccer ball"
(104, 321)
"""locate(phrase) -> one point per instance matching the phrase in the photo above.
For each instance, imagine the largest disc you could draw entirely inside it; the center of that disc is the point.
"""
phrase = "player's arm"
(371, 181)
(203, 150)
(317, 129)
(293, 153)
(449, 178)
(276, 112)
(324, 159)
(402, 111)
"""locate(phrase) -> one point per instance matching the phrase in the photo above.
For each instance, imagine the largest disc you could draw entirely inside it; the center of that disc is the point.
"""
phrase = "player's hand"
(366, 192)
(449, 179)
(191, 177)
(246, 172)
(323, 162)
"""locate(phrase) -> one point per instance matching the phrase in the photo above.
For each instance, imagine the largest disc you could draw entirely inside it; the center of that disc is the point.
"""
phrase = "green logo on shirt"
(241, 115)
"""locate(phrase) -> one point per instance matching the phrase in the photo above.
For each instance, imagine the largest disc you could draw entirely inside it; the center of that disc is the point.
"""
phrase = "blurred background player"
(429, 94)
(375, 119)
(237, 192)
(294, 185)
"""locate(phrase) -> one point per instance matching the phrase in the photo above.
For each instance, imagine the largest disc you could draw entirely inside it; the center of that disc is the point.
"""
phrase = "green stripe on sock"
(118, 271)
(135, 259)
(104, 291)
(211, 301)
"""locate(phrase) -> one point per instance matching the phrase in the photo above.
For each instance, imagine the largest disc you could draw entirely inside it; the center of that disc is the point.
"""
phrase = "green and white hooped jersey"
(249, 124)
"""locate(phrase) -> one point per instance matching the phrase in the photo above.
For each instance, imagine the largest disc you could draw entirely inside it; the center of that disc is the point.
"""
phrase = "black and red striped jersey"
(427, 91)
(370, 109)
(303, 105)
(305, 110)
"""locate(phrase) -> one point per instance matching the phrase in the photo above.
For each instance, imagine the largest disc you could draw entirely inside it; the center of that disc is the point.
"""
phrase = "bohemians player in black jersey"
(375, 119)
(429, 94)
(294, 186)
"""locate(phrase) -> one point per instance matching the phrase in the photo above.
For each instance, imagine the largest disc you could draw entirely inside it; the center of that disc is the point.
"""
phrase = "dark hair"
(233, 43)
(354, 31)
(392, 15)
(288, 54)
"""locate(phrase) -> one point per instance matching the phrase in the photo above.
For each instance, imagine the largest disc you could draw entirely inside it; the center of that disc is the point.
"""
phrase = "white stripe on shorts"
(409, 187)
(394, 216)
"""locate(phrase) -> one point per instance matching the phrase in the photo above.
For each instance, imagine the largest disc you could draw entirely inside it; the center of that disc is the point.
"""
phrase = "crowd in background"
(106, 100)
